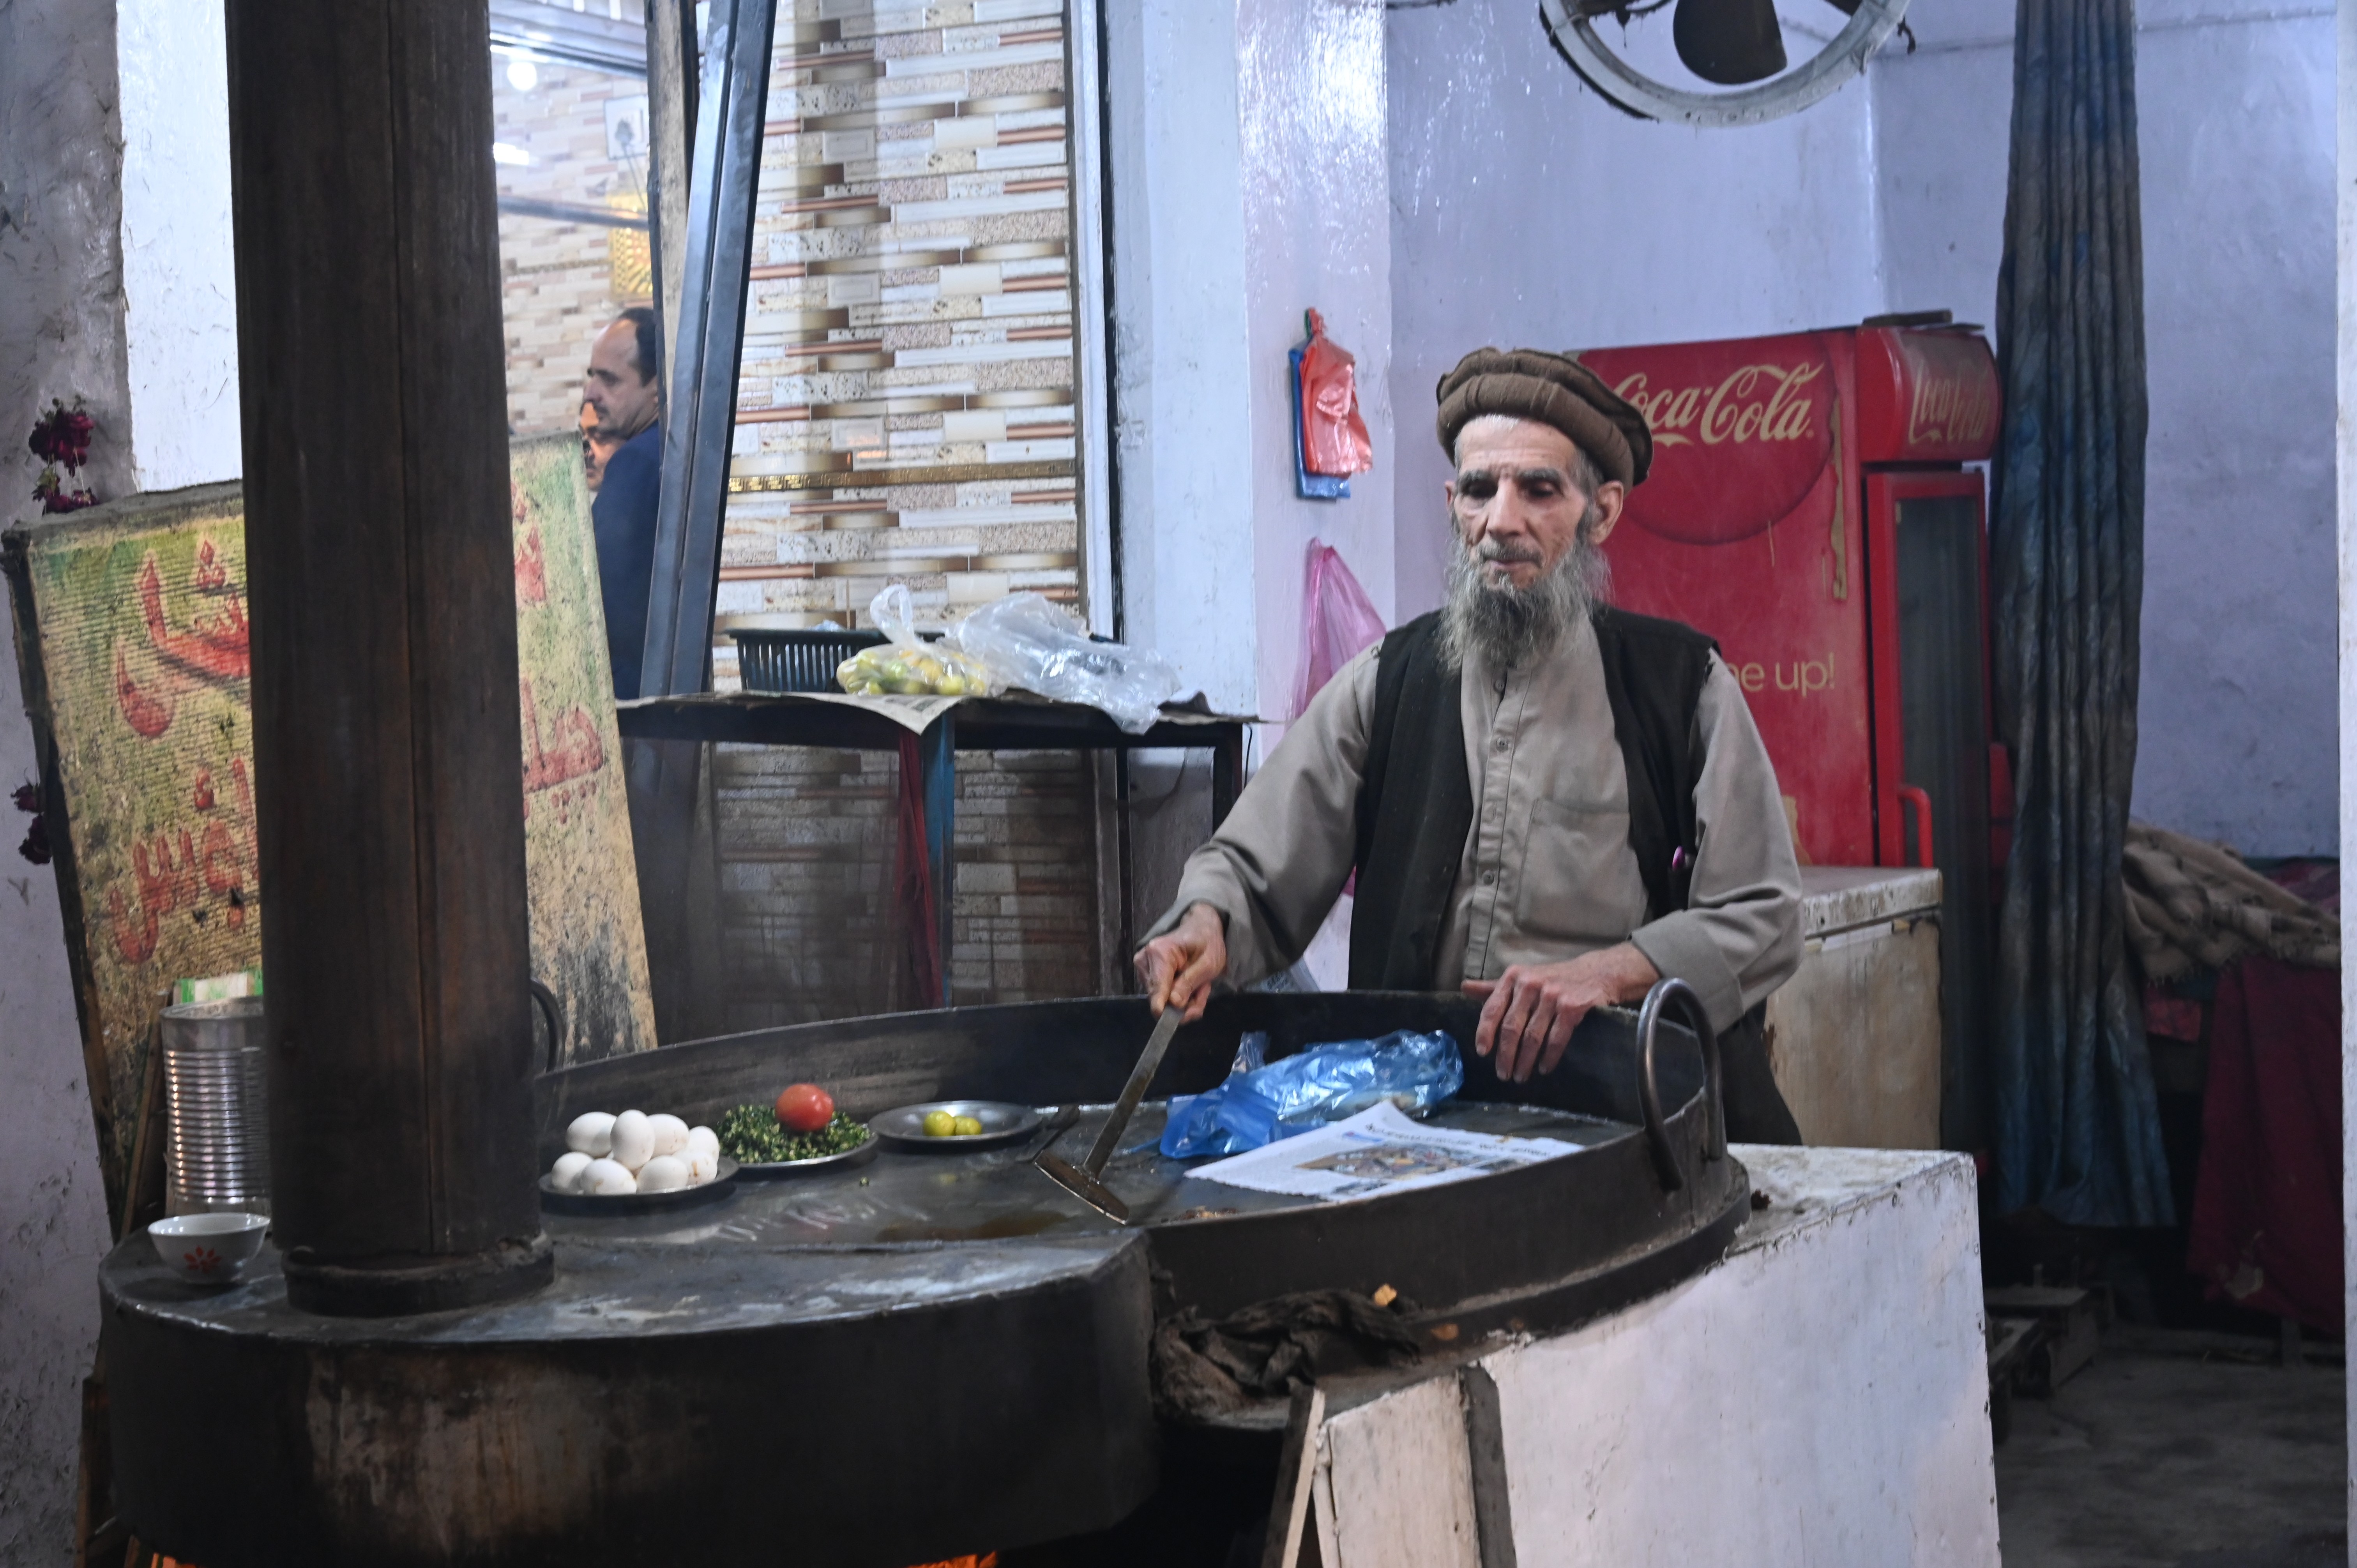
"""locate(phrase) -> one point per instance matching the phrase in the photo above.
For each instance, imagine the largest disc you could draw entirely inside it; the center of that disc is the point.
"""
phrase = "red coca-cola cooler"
(1809, 506)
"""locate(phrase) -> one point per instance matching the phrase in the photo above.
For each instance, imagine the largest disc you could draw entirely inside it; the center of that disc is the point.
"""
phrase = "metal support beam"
(937, 761)
(699, 416)
(387, 747)
(699, 420)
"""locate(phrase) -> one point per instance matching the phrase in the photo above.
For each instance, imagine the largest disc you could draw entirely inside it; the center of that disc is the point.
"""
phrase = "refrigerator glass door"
(1930, 641)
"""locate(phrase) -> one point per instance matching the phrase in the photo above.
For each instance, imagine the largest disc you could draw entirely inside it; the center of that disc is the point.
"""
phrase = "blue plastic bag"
(1258, 1106)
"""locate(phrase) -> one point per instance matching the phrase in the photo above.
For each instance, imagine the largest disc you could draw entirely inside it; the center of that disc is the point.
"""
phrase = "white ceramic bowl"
(209, 1249)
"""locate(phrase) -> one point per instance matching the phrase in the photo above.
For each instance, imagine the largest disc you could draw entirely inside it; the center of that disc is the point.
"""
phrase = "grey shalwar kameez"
(1547, 873)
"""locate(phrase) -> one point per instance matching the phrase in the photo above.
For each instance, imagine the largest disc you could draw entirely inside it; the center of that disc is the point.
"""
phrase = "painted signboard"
(132, 641)
(1753, 527)
(1746, 530)
(587, 945)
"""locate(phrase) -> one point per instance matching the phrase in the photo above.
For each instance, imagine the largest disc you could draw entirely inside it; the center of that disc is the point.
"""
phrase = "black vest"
(1416, 802)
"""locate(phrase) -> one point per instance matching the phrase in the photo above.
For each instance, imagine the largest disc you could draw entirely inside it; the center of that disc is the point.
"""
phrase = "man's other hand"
(1534, 1007)
(1179, 966)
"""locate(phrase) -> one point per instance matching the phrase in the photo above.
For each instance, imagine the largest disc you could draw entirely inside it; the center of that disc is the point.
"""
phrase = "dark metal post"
(386, 741)
(937, 757)
(1227, 771)
(699, 417)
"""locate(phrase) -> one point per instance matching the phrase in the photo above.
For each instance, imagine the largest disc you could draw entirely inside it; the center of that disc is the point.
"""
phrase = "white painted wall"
(2237, 142)
(2234, 120)
(179, 264)
(1529, 212)
(1819, 1397)
(2345, 444)
(60, 336)
(1316, 232)
(1943, 120)
(1181, 340)
(1249, 183)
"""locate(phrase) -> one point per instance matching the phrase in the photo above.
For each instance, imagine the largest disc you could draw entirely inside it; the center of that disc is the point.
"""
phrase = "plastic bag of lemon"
(906, 666)
(873, 672)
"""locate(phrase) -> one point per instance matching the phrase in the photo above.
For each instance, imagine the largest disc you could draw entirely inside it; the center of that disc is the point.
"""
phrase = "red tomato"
(805, 1108)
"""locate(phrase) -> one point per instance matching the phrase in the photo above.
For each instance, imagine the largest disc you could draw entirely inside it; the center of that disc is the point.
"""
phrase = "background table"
(1017, 722)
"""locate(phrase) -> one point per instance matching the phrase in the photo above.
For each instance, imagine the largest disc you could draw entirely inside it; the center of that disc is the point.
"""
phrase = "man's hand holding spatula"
(1179, 966)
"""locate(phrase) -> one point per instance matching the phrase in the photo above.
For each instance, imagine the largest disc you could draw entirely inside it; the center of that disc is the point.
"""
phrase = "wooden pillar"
(386, 740)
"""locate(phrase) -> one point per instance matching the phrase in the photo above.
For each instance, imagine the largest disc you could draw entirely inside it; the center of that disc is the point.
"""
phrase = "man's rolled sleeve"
(1683, 948)
(1739, 936)
(1276, 866)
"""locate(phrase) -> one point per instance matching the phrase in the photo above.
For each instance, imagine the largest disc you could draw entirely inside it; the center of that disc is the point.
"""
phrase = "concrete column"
(2345, 436)
(1181, 340)
(60, 336)
(1250, 183)
(1316, 232)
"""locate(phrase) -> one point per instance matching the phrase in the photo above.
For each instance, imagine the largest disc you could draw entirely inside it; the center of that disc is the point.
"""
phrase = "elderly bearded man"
(1549, 802)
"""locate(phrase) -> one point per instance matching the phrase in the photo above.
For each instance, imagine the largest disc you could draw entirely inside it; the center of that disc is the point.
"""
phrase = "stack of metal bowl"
(216, 1083)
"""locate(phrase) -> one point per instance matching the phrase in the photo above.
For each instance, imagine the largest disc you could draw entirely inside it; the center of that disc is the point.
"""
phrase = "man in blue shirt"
(625, 387)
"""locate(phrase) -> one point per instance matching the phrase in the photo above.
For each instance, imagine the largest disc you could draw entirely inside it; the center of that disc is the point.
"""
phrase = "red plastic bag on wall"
(1337, 622)
(1333, 437)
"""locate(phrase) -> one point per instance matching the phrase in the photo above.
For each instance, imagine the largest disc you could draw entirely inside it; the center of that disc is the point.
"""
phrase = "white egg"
(670, 1131)
(592, 1134)
(607, 1179)
(634, 1140)
(702, 1165)
(665, 1173)
(703, 1138)
(565, 1173)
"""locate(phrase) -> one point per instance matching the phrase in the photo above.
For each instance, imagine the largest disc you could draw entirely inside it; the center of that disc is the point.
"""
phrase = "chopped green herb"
(752, 1136)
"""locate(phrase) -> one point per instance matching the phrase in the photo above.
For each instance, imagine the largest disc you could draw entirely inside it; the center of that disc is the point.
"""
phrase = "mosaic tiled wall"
(575, 137)
(905, 406)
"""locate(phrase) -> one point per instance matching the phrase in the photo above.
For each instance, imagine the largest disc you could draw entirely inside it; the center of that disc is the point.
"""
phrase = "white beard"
(1510, 626)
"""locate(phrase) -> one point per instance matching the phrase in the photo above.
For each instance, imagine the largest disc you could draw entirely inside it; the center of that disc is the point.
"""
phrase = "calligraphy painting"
(131, 625)
(132, 640)
(586, 942)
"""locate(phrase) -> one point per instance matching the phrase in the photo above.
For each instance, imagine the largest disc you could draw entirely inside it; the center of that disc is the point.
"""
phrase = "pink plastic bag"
(1337, 622)
(1334, 440)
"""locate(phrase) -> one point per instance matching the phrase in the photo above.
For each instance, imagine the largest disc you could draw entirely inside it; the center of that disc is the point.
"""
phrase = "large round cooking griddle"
(924, 1355)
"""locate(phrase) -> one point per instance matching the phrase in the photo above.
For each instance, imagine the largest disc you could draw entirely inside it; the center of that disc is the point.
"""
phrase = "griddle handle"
(552, 1014)
(1668, 993)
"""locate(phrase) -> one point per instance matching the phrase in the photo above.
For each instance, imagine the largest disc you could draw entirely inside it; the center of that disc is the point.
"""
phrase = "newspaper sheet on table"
(915, 714)
(1379, 1150)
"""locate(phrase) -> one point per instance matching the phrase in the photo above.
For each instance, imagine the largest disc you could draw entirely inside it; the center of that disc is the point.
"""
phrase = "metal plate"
(695, 1197)
(775, 1170)
(903, 1126)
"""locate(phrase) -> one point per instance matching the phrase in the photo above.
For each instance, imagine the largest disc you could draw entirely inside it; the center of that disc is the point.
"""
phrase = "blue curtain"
(2077, 1132)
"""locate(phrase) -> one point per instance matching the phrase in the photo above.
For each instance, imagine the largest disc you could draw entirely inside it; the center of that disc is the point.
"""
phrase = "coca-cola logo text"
(1743, 434)
(1765, 403)
(1952, 411)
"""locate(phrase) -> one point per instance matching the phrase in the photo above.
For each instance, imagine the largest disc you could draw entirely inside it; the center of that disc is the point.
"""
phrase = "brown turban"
(1553, 388)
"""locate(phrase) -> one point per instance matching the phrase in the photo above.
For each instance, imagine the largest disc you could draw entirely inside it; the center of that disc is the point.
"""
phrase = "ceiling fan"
(1738, 44)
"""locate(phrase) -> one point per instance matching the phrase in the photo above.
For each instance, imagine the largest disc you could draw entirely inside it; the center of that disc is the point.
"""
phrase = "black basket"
(771, 660)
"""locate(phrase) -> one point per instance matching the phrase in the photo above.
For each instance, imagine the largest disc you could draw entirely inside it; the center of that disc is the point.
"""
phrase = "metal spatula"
(1082, 1181)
